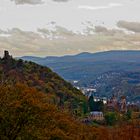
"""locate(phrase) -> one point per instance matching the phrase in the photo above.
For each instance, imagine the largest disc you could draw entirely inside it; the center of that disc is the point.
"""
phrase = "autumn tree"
(26, 114)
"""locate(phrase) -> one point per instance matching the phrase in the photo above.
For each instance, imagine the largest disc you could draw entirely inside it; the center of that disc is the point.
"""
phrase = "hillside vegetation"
(59, 92)
(25, 114)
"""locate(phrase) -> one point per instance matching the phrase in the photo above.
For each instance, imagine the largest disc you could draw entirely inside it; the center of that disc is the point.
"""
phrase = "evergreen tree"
(91, 103)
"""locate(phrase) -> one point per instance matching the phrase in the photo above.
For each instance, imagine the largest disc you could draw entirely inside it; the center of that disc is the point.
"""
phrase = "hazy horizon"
(68, 27)
(2, 53)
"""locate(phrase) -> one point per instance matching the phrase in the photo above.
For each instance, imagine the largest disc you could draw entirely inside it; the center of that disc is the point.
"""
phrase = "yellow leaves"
(15, 104)
(26, 113)
(58, 134)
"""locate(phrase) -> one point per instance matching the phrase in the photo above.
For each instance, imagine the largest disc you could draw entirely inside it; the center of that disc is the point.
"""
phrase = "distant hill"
(88, 67)
(108, 55)
(85, 65)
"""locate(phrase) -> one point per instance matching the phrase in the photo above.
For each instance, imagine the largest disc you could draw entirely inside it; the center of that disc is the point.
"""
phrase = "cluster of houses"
(112, 104)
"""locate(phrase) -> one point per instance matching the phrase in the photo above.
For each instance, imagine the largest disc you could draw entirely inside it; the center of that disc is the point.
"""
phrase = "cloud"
(110, 5)
(103, 30)
(57, 32)
(60, 41)
(32, 2)
(61, 0)
(99, 29)
(131, 26)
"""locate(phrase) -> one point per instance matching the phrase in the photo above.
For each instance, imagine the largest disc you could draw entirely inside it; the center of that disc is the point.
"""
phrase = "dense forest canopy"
(25, 114)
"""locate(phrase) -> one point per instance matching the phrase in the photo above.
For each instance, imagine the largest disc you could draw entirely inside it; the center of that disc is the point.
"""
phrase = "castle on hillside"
(114, 105)
(7, 56)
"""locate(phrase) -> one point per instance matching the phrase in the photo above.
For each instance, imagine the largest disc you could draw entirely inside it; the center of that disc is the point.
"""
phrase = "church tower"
(123, 106)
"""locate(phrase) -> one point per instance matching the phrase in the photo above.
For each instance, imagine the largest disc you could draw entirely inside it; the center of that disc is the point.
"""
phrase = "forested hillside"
(25, 114)
(59, 92)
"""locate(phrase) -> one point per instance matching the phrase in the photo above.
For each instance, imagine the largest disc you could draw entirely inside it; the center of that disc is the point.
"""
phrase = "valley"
(112, 72)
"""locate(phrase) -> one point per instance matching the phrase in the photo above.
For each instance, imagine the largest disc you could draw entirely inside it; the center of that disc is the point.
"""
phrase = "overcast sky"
(76, 15)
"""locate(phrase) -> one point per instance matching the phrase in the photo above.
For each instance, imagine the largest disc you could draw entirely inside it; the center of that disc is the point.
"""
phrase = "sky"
(61, 27)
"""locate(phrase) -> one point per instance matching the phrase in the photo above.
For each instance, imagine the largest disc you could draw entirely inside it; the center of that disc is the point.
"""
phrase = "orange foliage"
(129, 131)
(25, 114)
(42, 78)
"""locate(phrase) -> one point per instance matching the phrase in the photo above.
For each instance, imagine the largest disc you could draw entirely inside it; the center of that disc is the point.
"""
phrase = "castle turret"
(123, 106)
(112, 104)
(7, 56)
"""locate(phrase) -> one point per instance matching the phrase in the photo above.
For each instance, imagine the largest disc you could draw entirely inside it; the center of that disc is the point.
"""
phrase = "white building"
(96, 115)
